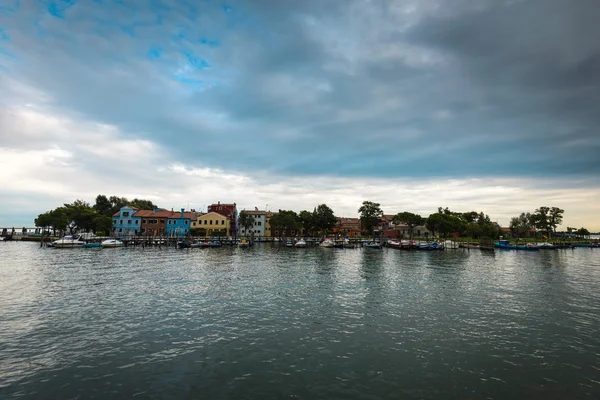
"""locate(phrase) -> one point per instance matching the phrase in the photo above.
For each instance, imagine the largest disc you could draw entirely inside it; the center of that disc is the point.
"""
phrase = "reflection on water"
(273, 322)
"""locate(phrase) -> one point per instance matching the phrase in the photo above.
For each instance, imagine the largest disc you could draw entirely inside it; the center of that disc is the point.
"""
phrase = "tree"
(324, 218)
(470, 216)
(284, 221)
(521, 226)
(142, 204)
(246, 221)
(555, 218)
(445, 223)
(370, 215)
(540, 219)
(102, 225)
(582, 232)
(307, 220)
(103, 206)
(410, 219)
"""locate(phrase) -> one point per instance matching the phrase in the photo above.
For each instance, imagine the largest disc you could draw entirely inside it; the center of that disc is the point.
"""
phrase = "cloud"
(489, 100)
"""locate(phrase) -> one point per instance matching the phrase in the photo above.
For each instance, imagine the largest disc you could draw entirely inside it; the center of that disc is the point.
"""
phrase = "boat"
(408, 244)
(69, 242)
(301, 243)
(92, 245)
(216, 243)
(289, 243)
(505, 244)
(327, 243)
(204, 244)
(546, 246)
(451, 244)
(110, 243)
(372, 245)
(183, 244)
(244, 243)
(338, 245)
(430, 246)
(394, 244)
(348, 245)
(195, 245)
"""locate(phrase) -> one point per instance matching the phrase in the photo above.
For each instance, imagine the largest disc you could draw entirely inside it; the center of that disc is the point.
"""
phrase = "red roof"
(164, 214)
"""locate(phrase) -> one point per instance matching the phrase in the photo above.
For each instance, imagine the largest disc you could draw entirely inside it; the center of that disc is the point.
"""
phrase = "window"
(222, 222)
(186, 221)
(120, 229)
(220, 208)
(185, 231)
(204, 222)
(259, 223)
(211, 222)
(128, 222)
(136, 221)
(143, 221)
(194, 223)
(126, 213)
(114, 221)
(121, 222)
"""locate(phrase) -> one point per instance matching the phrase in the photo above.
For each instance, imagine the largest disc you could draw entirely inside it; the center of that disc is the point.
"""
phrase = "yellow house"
(213, 223)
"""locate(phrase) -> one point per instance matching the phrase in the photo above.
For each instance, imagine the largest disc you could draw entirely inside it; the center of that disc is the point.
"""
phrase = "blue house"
(125, 223)
(179, 223)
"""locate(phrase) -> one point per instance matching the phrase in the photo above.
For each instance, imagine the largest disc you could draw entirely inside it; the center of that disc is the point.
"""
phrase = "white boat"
(451, 244)
(546, 246)
(327, 243)
(108, 243)
(372, 245)
(301, 243)
(289, 243)
(69, 242)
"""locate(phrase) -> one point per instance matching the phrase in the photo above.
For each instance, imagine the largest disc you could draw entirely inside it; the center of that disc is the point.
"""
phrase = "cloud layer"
(473, 105)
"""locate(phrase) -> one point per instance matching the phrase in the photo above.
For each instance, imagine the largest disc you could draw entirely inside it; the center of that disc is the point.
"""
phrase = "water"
(273, 323)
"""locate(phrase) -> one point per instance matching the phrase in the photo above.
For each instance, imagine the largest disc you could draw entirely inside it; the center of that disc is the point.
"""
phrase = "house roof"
(215, 214)
(222, 205)
(255, 212)
(164, 214)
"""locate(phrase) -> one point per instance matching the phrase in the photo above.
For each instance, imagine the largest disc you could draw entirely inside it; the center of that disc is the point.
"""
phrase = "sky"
(484, 105)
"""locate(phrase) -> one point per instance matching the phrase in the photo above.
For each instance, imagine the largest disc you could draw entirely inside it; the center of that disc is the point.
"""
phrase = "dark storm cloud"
(340, 88)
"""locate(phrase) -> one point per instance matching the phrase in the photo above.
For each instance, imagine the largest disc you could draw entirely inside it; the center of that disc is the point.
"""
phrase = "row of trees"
(320, 220)
(80, 216)
(544, 219)
(444, 222)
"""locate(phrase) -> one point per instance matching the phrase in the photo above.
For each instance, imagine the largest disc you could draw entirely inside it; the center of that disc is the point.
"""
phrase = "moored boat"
(505, 244)
(372, 245)
(69, 242)
(301, 243)
(92, 245)
(244, 243)
(111, 243)
(216, 243)
(327, 243)
(289, 243)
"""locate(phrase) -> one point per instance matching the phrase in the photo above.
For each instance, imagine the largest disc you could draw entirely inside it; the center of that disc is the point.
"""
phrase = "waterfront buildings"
(227, 210)
(125, 223)
(213, 224)
(261, 227)
(350, 227)
(178, 224)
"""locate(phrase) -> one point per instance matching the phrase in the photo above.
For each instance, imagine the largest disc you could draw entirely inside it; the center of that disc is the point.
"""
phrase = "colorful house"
(227, 210)
(154, 222)
(215, 224)
(179, 223)
(125, 223)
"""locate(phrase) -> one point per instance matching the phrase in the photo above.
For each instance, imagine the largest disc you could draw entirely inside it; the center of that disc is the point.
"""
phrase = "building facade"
(227, 210)
(350, 227)
(260, 224)
(179, 223)
(213, 223)
(154, 222)
(125, 223)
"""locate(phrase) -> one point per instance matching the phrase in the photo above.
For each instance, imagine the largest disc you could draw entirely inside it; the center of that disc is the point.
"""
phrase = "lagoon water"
(273, 323)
